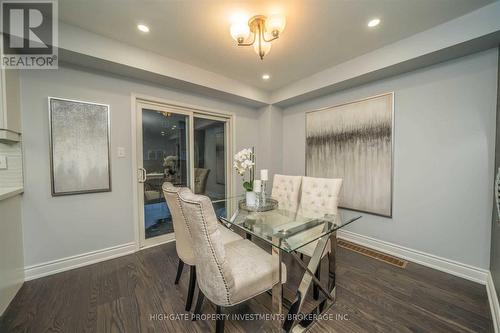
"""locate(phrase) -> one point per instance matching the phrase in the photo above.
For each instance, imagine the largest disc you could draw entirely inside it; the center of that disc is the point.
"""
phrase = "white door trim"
(177, 107)
(493, 300)
(228, 141)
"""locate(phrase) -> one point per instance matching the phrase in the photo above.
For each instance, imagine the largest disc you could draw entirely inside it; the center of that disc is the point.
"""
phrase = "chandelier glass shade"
(258, 32)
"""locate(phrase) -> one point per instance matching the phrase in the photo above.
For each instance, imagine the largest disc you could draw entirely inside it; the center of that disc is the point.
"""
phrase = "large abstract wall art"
(354, 141)
(79, 147)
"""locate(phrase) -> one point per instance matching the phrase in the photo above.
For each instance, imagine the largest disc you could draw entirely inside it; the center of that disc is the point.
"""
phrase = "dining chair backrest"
(200, 180)
(319, 196)
(286, 189)
(213, 272)
(183, 243)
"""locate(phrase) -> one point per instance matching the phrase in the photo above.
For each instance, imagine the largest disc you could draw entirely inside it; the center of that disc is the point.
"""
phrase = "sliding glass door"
(210, 159)
(185, 148)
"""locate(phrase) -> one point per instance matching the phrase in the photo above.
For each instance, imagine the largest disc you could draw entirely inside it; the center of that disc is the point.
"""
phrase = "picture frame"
(79, 141)
(337, 142)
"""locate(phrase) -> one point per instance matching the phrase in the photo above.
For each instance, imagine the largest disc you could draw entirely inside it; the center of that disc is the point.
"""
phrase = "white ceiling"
(319, 33)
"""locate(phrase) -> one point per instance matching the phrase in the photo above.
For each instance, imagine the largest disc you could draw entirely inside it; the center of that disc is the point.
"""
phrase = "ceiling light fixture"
(264, 29)
(143, 28)
(373, 22)
(266, 77)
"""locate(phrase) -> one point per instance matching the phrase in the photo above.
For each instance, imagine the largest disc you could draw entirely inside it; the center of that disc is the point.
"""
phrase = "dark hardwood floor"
(125, 294)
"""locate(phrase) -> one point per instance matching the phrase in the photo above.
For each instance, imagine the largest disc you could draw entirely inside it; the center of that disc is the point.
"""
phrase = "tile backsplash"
(13, 175)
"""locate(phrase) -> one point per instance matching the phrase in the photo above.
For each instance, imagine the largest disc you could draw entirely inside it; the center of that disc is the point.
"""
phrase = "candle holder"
(258, 200)
(257, 188)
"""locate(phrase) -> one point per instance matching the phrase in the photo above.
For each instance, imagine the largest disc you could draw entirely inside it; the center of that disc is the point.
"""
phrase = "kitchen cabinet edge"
(10, 192)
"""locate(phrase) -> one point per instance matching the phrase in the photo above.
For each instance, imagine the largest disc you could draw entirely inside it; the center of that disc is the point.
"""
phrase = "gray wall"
(443, 156)
(270, 156)
(56, 228)
(495, 226)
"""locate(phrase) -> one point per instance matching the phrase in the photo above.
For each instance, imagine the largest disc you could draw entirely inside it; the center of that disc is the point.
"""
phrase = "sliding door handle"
(143, 175)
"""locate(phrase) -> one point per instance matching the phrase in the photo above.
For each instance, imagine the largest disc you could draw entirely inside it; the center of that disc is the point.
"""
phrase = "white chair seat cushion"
(252, 270)
(228, 236)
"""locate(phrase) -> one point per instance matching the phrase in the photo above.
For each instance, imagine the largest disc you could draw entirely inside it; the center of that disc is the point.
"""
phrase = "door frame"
(192, 111)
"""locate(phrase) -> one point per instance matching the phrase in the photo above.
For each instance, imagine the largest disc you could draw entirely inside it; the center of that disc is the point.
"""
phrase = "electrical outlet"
(3, 162)
(121, 152)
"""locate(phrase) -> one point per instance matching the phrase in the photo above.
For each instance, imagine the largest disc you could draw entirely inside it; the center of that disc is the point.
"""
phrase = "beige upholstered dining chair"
(319, 197)
(200, 180)
(183, 242)
(229, 273)
(286, 189)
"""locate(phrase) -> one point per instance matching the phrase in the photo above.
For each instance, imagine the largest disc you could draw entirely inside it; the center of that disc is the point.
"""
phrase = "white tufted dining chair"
(228, 273)
(183, 242)
(319, 196)
(286, 189)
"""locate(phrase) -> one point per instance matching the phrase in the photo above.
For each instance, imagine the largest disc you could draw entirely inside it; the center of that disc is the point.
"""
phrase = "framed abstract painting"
(79, 147)
(354, 141)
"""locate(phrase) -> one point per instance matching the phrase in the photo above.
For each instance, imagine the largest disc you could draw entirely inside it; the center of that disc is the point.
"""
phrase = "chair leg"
(219, 324)
(180, 267)
(199, 304)
(192, 284)
(302, 256)
(315, 286)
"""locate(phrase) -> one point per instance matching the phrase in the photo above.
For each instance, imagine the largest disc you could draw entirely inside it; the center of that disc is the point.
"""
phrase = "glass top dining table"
(306, 231)
(280, 227)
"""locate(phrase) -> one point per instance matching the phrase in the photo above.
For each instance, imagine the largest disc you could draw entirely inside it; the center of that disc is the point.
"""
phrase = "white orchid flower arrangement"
(170, 164)
(244, 161)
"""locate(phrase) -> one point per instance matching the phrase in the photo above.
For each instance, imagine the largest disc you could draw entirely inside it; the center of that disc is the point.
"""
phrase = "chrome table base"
(291, 321)
(277, 293)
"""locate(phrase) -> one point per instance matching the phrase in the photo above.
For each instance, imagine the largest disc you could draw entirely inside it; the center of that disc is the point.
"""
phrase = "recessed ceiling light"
(266, 77)
(143, 28)
(373, 22)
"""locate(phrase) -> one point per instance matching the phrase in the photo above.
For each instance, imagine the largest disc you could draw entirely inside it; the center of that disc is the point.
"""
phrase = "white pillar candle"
(257, 188)
(264, 174)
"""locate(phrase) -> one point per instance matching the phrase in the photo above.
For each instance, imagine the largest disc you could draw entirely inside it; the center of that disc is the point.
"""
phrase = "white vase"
(251, 199)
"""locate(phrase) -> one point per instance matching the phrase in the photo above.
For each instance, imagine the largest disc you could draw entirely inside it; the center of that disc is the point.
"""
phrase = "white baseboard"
(442, 264)
(84, 259)
(494, 305)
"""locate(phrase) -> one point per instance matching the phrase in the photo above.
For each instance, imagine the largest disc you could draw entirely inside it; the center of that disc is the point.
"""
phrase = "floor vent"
(388, 259)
